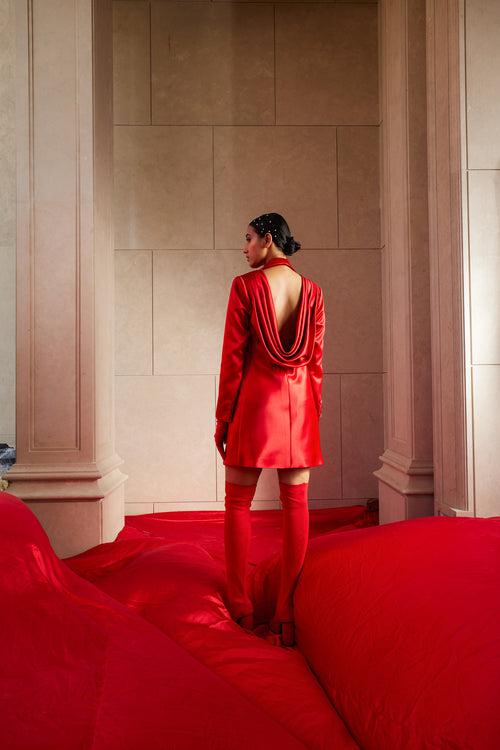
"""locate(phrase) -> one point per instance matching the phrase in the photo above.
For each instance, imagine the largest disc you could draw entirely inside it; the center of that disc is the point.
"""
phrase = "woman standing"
(268, 407)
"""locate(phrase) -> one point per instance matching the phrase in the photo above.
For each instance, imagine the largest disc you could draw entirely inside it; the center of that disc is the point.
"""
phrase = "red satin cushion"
(401, 625)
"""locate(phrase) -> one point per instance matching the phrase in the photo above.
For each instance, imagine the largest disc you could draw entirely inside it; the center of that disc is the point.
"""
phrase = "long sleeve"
(236, 335)
(316, 361)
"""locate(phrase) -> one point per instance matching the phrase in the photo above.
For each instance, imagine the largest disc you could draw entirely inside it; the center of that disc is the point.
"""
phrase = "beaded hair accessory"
(265, 224)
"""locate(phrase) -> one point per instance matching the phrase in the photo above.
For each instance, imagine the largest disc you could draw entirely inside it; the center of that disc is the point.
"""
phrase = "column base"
(406, 488)
(447, 510)
(78, 507)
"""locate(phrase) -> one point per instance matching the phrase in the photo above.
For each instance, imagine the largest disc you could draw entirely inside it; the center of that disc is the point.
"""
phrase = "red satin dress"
(271, 396)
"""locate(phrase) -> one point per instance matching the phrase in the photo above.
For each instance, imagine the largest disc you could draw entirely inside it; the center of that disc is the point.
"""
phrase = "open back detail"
(294, 314)
(267, 325)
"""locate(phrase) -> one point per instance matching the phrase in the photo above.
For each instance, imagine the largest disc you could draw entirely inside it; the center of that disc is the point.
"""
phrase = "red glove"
(220, 436)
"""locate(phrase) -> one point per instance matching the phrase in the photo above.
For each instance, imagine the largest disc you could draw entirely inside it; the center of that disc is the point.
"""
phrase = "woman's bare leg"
(294, 476)
(242, 474)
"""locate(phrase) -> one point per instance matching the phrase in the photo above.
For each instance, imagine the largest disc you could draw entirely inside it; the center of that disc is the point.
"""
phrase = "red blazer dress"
(271, 397)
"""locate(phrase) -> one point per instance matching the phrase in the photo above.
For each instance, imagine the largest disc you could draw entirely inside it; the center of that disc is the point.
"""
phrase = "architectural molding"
(406, 477)
(448, 309)
(65, 272)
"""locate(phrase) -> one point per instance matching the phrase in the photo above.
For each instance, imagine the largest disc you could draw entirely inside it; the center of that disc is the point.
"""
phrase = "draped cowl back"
(307, 322)
(271, 395)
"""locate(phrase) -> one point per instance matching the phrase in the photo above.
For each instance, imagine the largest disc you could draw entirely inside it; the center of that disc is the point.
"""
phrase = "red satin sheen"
(399, 625)
(79, 669)
(143, 654)
(271, 396)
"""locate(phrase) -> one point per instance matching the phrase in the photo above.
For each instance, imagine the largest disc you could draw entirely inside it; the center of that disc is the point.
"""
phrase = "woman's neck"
(275, 260)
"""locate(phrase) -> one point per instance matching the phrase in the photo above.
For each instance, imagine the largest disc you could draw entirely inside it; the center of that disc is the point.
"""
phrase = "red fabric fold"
(79, 669)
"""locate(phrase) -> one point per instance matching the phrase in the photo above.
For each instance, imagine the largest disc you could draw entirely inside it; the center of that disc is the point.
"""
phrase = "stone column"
(66, 466)
(446, 245)
(464, 185)
(406, 476)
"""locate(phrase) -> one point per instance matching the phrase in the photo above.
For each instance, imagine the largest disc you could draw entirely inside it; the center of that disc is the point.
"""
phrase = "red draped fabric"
(130, 646)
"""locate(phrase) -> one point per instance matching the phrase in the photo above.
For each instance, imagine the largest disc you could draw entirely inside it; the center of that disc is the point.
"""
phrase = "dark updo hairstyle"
(279, 230)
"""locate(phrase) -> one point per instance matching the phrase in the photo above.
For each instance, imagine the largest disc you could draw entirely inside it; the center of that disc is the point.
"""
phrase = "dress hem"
(267, 466)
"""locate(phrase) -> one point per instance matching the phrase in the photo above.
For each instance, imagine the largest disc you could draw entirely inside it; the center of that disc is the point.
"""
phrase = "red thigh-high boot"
(237, 530)
(295, 539)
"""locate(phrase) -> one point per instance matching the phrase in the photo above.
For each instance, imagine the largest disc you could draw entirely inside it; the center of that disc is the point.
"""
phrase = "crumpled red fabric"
(143, 654)
(401, 625)
(78, 669)
(168, 567)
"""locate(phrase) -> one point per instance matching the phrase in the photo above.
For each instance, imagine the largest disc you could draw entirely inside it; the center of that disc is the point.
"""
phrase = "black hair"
(279, 230)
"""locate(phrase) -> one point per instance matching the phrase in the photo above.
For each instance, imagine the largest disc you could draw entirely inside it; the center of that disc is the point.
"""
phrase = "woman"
(268, 407)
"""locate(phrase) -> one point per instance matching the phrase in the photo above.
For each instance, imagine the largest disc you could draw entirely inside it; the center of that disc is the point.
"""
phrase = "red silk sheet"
(401, 624)
(398, 634)
(143, 654)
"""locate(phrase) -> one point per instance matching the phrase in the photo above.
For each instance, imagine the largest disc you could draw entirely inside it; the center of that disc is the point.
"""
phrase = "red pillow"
(401, 625)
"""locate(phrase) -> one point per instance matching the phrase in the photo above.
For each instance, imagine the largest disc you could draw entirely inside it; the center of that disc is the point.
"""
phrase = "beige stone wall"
(7, 224)
(225, 110)
(481, 186)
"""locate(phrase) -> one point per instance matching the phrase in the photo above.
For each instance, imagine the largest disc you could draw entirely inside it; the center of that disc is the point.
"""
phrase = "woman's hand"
(220, 436)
